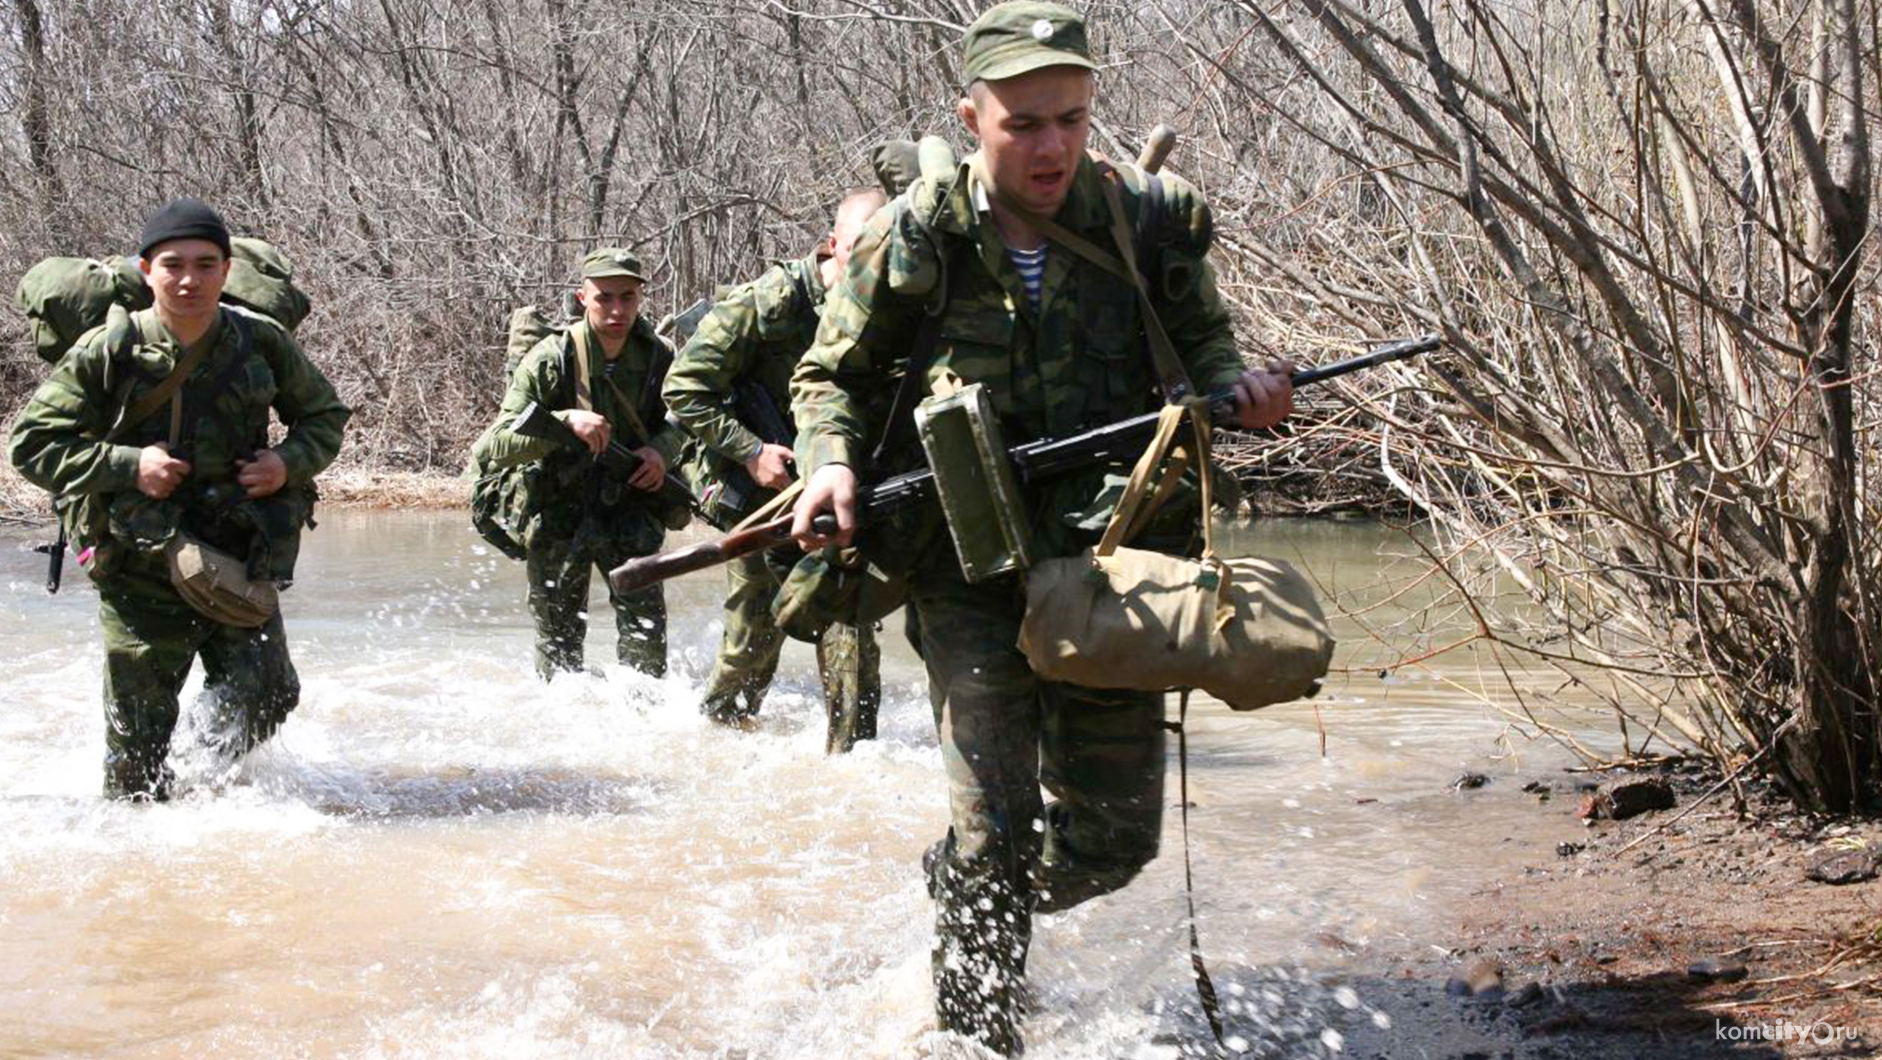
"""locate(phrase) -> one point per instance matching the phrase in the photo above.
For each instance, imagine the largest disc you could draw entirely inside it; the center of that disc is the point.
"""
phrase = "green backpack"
(503, 502)
(64, 298)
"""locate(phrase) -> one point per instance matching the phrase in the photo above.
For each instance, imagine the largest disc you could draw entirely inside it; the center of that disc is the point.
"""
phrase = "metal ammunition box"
(979, 493)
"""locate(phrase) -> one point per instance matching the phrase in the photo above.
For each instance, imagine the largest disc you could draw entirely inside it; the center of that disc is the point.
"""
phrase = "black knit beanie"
(183, 219)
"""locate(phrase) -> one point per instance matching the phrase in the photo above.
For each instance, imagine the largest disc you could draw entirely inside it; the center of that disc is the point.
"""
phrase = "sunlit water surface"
(440, 856)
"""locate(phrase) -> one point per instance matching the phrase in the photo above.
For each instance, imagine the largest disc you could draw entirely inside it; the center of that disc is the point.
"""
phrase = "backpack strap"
(142, 409)
(578, 349)
(1171, 375)
(927, 336)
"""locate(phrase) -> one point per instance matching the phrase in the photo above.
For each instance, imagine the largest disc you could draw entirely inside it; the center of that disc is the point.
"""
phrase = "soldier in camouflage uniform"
(1057, 341)
(754, 336)
(199, 463)
(577, 529)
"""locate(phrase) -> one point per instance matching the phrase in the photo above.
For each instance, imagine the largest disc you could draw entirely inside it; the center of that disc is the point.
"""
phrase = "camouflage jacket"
(757, 331)
(58, 442)
(1076, 363)
(547, 376)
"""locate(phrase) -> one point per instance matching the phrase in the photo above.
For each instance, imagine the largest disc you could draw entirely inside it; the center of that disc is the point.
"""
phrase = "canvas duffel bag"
(1247, 631)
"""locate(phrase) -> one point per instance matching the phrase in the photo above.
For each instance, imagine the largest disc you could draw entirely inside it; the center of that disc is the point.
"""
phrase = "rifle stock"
(1034, 461)
(643, 571)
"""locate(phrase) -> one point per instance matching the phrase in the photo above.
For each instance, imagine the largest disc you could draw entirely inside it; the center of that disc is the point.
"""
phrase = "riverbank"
(1689, 932)
(357, 487)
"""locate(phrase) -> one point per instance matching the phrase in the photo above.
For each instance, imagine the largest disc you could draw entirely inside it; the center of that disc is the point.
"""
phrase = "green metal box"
(979, 493)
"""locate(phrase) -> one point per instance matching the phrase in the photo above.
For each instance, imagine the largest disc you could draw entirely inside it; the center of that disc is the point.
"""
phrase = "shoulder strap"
(803, 290)
(578, 349)
(1171, 375)
(656, 369)
(142, 409)
(927, 337)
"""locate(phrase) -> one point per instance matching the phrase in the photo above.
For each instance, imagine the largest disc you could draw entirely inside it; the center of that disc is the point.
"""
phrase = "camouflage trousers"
(1004, 733)
(849, 662)
(151, 638)
(558, 602)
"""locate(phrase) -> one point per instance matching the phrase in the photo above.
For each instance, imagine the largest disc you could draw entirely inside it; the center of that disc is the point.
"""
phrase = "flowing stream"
(440, 856)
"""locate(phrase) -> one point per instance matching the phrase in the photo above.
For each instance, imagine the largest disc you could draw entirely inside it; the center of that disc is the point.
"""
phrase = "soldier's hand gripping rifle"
(753, 407)
(1032, 462)
(617, 461)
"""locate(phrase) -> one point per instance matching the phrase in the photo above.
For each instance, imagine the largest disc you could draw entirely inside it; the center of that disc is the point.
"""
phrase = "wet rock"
(1470, 782)
(1536, 787)
(1528, 995)
(1716, 970)
(1482, 977)
(1841, 865)
(1618, 800)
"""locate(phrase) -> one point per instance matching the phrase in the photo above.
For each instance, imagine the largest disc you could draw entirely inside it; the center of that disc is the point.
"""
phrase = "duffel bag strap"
(1140, 501)
(772, 508)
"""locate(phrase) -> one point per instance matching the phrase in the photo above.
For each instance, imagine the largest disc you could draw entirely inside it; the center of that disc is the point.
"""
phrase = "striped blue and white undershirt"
(1032, 271)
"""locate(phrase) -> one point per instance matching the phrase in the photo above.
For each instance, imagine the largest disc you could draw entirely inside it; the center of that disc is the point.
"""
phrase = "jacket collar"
(966, 206)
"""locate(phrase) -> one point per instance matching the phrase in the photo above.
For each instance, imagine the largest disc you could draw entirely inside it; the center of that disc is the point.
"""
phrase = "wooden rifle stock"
(642, 571)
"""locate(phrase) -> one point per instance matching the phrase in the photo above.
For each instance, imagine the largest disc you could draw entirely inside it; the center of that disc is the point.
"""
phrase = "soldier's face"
(185, 276)
(1032, 130)
(611, 304)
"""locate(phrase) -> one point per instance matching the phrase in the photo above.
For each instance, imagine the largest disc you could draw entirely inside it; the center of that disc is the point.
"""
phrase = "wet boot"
(983, 929)
(734, 707)
(1067, 876)
(136, 778)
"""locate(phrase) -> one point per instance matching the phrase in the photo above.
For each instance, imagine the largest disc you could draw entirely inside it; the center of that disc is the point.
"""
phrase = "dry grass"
(20, 500)
(366, 487)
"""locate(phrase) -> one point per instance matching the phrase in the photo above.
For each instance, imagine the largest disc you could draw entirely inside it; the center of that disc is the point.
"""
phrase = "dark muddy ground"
(1689, 932)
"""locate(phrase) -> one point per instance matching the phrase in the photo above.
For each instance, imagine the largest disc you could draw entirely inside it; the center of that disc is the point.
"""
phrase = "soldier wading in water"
(602, 378)
(753, 337)
(1057, 341)
(138, 473)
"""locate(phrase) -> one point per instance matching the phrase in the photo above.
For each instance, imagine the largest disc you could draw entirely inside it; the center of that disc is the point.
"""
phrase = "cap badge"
(1042, 31)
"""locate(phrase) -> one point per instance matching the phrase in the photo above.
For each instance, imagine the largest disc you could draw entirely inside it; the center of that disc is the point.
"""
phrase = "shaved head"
(852, 216)
(854, 212)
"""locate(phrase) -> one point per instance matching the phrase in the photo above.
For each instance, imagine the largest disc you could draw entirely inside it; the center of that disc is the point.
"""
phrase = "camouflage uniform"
(757, 332)
(151, 633)
(576, 530)
(1076, 362)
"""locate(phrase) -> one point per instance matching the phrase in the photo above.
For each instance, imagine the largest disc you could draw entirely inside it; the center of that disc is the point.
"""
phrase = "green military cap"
(1014, 38)
(610, 261)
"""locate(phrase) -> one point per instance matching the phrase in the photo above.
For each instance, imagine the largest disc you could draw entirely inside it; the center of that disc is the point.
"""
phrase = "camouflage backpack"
(503, 502)
(63, 298)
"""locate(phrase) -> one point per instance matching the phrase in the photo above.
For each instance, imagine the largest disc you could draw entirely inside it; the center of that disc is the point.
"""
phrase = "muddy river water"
(440, 856)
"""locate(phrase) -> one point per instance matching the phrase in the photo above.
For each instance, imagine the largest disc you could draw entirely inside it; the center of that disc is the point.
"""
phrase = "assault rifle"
(617, 461)
(752, 405)
(1032, 462)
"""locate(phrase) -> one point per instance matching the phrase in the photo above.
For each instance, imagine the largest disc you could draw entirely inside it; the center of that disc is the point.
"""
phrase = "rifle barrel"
(1391, 351)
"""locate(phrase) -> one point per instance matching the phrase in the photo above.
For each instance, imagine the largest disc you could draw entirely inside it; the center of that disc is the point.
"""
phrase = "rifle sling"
(584, 394)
